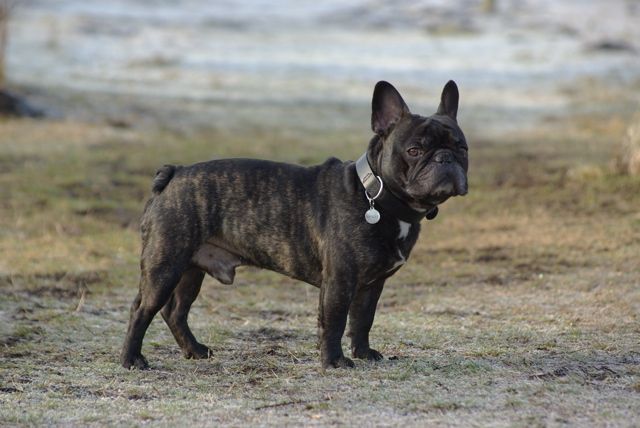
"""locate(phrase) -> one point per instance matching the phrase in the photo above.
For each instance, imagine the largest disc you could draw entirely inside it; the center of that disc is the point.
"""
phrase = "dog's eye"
(415, 151)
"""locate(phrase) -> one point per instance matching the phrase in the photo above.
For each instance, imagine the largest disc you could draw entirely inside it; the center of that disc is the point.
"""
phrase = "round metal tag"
(372, 216)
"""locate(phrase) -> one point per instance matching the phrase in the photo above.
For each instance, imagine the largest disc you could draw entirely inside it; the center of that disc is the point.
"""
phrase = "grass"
(519, 306)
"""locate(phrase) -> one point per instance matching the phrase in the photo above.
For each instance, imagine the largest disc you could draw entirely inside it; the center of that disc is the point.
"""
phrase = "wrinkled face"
(422, 159)
(427, 160)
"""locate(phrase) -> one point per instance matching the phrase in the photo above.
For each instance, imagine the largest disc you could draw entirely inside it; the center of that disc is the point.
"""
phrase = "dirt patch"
(493, 254)
(268, 334)
(22, 333)
(61, 285)
(125, 218)
(10, 163)
(587, 372)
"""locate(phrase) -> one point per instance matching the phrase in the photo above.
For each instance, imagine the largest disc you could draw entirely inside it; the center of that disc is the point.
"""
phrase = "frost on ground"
(519, 305)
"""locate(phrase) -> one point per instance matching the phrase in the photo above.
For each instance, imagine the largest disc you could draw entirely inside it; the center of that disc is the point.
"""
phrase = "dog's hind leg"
(127, 357)
(176, 311)
(156, 286)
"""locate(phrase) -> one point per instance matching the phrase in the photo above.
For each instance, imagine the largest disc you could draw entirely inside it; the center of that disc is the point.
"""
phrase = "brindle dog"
(304, 222)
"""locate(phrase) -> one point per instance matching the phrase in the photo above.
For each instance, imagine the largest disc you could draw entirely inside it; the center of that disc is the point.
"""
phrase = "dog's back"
(226, 201)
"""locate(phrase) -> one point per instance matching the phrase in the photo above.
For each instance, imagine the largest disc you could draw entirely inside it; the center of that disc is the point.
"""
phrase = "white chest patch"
(404, 229)
(399, 262)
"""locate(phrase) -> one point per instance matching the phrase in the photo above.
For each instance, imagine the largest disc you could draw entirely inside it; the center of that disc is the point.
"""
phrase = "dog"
(344, 227)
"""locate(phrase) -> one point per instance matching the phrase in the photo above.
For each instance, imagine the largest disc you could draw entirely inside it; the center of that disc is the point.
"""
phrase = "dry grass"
(627, 160)
(519, 306)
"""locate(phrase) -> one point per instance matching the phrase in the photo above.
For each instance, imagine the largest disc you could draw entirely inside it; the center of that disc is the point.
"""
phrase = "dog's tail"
(162, 178)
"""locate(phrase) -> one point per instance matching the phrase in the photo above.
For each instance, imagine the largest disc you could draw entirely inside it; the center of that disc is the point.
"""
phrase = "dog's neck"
(387, 201)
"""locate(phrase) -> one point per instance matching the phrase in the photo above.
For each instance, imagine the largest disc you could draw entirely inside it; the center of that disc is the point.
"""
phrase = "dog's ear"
(387, 108)
(449, 100)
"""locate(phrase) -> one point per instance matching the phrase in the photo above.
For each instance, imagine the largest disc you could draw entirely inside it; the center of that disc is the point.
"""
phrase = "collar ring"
(366, 193)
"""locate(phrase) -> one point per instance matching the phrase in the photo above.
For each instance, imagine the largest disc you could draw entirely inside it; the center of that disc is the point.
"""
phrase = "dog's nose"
(461, 185)
(443, 157)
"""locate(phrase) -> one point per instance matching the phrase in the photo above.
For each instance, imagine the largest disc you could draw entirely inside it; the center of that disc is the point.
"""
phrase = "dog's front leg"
(361, 314)
(336, 293)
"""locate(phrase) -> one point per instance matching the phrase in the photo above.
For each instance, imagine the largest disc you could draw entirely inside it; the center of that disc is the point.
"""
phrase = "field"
(519, 306)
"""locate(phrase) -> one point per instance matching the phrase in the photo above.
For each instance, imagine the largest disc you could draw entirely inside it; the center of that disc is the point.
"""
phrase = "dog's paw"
(338, 363)
(135, 362)
(198, 352)
(367, 354)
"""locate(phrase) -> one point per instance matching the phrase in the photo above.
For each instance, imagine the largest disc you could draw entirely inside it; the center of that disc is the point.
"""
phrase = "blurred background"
(312, 65)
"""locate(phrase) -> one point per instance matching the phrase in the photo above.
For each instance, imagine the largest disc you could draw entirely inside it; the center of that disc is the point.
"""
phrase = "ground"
(519, 305)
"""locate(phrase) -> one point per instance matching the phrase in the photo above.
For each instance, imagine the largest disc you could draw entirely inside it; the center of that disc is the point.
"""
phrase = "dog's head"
(423, 160)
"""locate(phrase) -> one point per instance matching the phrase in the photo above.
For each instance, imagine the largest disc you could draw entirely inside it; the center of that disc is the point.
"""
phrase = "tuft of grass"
(627, 157)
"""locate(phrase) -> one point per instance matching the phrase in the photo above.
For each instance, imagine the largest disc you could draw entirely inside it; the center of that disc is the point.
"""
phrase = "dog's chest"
(397, 251)
(399, 258)
(402, 245)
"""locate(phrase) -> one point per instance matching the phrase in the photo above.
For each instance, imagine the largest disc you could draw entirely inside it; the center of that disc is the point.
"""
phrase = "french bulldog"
(344, 227)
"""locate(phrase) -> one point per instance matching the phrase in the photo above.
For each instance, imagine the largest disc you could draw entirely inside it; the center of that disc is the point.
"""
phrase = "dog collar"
(378, 194)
